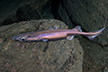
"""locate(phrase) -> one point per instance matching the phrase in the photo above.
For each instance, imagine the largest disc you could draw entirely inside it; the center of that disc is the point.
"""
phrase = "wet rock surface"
(36, 9)
(8, 9)
(54, 56)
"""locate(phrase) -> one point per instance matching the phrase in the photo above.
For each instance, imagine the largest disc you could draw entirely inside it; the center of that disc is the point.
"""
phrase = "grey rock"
(31, 10)
(8, 9)
(95, 51)
(53, 56)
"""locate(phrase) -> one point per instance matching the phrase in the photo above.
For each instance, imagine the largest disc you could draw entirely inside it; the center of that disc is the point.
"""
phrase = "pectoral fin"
(70, 37)
(44, 40)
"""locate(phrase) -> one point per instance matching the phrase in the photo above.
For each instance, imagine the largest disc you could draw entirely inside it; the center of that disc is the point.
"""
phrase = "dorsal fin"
(78, 28)
(53, 28)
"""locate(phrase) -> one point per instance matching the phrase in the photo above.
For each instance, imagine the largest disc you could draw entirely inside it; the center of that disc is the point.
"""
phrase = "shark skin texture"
(54, 33)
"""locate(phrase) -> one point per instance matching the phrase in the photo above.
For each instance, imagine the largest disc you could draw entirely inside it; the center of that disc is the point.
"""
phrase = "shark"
(54, 33)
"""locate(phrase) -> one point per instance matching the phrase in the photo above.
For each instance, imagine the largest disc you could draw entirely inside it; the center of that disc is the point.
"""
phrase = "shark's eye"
(23, 39)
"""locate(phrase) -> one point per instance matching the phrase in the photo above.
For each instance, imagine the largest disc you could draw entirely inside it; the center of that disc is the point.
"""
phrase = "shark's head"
(25, 37)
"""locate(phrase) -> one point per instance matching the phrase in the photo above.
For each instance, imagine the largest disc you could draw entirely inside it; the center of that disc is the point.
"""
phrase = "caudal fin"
(92, 37)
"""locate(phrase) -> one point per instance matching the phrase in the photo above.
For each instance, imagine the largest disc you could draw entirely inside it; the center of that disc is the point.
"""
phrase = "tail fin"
(100, 31)
(78, 28)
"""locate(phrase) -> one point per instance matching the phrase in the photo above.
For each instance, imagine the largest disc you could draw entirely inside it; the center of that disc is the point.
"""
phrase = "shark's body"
(54, 33)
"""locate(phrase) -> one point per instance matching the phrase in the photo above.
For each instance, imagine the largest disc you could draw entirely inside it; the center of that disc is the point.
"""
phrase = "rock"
(54, 56)
(77, 66)
(30, 11)
(8, 9)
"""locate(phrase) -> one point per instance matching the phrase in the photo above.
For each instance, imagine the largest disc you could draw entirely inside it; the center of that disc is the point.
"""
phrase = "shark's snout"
(16, 37)
(13, 38)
